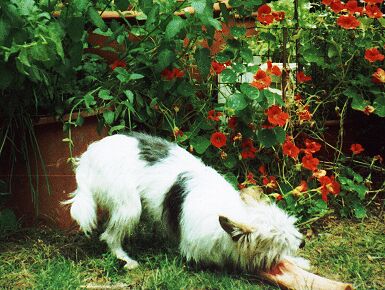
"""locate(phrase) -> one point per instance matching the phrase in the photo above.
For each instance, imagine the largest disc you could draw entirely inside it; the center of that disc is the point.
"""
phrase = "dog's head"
(267, 236)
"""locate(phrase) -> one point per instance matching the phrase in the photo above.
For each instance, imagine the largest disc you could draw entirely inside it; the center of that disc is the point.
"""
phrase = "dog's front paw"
(131, 265)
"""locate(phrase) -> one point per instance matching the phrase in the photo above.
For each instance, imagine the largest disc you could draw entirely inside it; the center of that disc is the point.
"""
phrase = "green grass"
(41, 258)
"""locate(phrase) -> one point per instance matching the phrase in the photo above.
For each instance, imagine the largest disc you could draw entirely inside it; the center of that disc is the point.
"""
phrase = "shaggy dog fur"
(127, 174)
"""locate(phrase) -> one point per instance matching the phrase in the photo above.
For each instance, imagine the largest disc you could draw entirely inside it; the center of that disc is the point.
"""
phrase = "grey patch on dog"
(173, 203)
(152, 149)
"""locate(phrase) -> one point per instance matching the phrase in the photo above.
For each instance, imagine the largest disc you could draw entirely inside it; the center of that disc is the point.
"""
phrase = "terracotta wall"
(60, 175)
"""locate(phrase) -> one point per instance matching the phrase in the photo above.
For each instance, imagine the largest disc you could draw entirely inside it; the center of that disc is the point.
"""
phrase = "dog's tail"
(83, 210)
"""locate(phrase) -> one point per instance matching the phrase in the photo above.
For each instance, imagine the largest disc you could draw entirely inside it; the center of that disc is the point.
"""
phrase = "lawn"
(42, 258)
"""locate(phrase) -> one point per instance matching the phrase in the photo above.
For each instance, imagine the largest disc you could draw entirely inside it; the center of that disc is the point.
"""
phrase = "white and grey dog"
(125, 174)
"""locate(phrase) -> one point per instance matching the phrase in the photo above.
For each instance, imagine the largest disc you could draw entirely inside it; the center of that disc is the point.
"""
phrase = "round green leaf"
(379, 105)
(270, 137)
(237, 102)
(250, 91)
(165, 58)
(105, 95)
(174, 27)
(122, 4)
(200, 144)
(228, 76)
(109, 117)
(96, 19)
(202, 57)
(238, 31)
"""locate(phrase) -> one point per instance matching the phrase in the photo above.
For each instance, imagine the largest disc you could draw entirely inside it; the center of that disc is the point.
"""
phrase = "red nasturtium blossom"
(329, 185)
(219, 67)
(232, 122)
(248, 149)
(270, 182)
(368, 110)
(309, 162)
(261, 80)
(311, 146)
(356, 148)
(218, 139)
(348, 22)
(289, 149)
(273, 69)
(177, 132)
(214, 115)
(373, 11)
(278, 15)
(118, 63)
(304, 114)
(302, 187)
(250, 178)
(378, 76)
(353, 7)
(373, 54)
(337, 6)
(262, 170)
(302, 78)
(276, 116)
(172, 74)
(264, 14)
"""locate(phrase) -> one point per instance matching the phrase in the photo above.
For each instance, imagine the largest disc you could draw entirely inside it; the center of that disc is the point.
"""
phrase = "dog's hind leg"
(123, 219)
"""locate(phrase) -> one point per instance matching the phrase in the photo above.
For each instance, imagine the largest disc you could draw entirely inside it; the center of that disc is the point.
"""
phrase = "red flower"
(261, 80)
(309, 162)
(248, 149)
(368, 110)
(373, 1)
(337, 6)
(218, 139)
(264, 14)
(276, 116)
(118, 63)
(218, 67)
(302, 186)
(232, 122)
(378, 76)
(327, 2)
(172, 74)
(329, 185)
(311, 146)
(262, 170)
(167, 74)
(279, 197)
(213, 115)
(357, 148)
(278, 15)
(352, 7)
(289, 149)
(273, 69)
(305, 114)
(177, 132)
(373, 54)
(302, 78)
(250, 178)
(348, 22)
(373, 11)
(270, 182)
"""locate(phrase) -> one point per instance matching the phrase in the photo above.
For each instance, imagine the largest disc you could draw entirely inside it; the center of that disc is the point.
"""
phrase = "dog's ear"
(234, 229)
